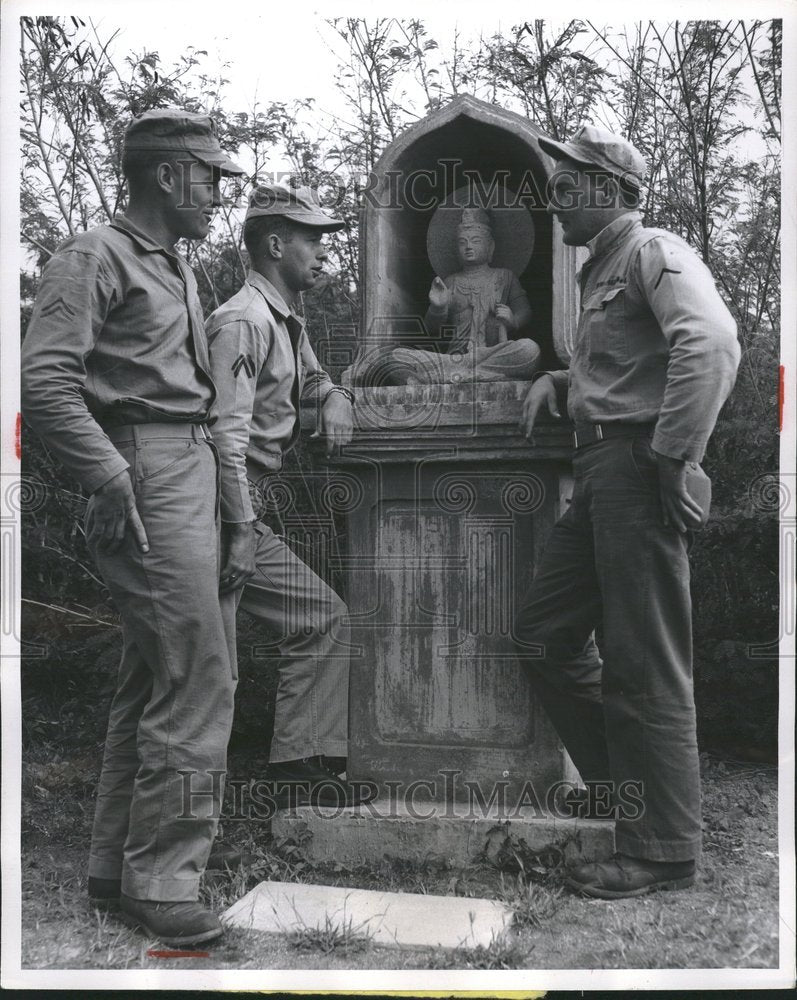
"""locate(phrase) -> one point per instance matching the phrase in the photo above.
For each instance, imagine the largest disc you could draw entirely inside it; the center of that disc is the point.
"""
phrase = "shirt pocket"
(604, 320)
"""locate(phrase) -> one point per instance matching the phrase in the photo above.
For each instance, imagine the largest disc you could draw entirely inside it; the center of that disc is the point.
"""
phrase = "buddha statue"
(482, 306)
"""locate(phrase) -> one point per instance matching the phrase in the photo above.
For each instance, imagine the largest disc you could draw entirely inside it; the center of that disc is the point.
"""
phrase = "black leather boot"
(173, 923)
(307, 782)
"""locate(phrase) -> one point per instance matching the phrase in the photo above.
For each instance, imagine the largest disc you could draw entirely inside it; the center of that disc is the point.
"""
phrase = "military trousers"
(307, 623)
(626, 714)
(162, 778)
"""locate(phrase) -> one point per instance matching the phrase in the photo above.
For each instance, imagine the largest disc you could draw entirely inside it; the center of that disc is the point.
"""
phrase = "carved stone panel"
(439, 554)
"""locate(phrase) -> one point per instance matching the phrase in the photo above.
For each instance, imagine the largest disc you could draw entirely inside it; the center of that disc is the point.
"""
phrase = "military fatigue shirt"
(262, 364)
(655, 341)
(116, 337)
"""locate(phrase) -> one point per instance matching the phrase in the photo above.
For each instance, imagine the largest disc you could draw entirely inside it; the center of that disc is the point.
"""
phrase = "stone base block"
(436, 834)
(392, 919)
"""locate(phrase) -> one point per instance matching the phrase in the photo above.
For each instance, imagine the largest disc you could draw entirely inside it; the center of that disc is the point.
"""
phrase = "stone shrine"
(456, 503)
(447, 505)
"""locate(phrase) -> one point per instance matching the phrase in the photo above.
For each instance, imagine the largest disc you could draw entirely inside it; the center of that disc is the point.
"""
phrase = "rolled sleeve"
(236, 356)
(703, 348)
(316, 384)
(75, 295)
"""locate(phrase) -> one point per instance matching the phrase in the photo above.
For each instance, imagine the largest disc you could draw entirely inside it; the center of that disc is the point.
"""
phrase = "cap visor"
(316, 220)
(564, 151)
(557, 150)
(221, 162)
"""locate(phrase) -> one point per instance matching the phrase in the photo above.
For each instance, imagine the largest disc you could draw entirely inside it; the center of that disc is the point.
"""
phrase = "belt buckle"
(596, 429)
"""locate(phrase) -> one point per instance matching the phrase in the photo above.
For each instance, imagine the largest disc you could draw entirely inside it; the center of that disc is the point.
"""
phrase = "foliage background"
(700, 99)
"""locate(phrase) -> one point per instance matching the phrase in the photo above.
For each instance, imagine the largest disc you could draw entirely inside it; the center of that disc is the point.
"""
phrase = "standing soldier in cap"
(263, 364)
(655, 358)
(116, 380)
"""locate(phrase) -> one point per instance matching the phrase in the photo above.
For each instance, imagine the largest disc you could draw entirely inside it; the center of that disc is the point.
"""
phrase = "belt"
(584, 434)
(134, 432)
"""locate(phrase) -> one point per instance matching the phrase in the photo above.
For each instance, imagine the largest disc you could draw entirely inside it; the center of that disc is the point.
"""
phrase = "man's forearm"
(560, 381)
(59, 415)
(74, 297)
(236, 391)
(239, 527)
(703, 348)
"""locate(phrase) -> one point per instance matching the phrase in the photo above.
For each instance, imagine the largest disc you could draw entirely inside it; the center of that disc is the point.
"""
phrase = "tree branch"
(67, 611)
(39, 140)
(36, 243)
(70, 121)
(764, 102)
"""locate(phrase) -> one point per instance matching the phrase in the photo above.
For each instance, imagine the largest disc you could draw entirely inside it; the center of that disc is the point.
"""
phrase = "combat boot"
(172, 923)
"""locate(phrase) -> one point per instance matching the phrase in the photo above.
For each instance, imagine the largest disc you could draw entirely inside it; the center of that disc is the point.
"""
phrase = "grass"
(332, 935)
(728, 920)
(503, 952)
(534, 904)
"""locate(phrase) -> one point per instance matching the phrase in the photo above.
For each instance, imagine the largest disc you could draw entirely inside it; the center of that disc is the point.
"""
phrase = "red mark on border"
(18, 437)
(152, 953)
(781, 395)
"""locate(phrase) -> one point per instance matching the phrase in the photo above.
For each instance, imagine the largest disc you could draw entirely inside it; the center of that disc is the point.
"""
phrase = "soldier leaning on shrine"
(655, 358)
(263, 364)
(116, 380)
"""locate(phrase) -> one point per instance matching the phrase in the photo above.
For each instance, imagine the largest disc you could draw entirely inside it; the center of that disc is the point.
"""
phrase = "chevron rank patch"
(664, 270)
(243, 363)
(58, 307)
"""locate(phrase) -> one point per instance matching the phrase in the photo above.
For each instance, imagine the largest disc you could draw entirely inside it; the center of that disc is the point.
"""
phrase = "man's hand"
(505, 315)
(114, 508)
(542, 393)
(680, 510)
(238, 546)
(440, 294)
(336, 422)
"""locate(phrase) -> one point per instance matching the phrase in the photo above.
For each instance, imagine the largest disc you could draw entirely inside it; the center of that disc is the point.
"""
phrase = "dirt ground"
(729, 919)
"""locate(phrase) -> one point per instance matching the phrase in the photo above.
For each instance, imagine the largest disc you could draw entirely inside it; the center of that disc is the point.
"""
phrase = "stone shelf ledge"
(384, 829)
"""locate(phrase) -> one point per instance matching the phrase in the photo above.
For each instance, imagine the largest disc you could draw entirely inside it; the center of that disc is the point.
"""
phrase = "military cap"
(596, 147)
(298, 204)
(172, 130)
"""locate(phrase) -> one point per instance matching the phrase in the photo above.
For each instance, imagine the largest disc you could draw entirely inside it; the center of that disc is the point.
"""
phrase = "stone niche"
(449, 505)
(467, 147)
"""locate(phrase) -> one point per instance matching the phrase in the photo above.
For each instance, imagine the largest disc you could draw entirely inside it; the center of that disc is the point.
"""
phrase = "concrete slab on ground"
(393, 919)
(437, 833)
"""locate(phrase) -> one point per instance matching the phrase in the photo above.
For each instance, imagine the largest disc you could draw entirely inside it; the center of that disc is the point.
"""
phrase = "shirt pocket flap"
(602, 298)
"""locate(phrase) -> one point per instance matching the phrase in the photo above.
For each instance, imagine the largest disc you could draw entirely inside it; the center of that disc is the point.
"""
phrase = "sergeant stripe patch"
(59, 305)
(245, 363)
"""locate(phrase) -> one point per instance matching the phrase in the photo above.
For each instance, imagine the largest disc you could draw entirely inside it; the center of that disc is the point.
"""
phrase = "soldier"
(116, 380)
(655, 358)
(263, 363)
